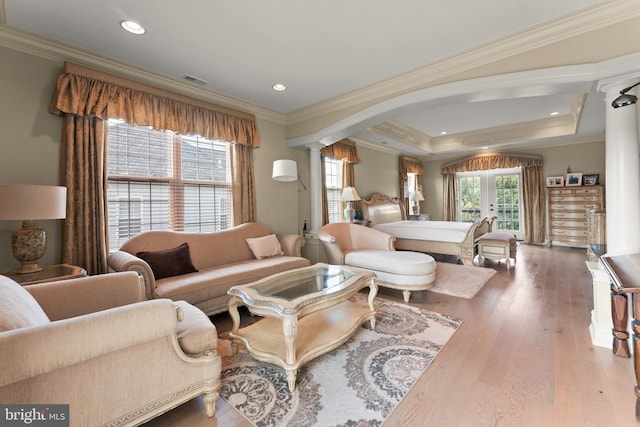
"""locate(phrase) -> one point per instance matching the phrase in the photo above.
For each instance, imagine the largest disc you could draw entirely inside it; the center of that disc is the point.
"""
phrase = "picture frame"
(591, 179)
(555, 181)
(574, 179)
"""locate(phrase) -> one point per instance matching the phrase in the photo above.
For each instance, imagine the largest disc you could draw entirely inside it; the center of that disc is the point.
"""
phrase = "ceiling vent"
(197, 80)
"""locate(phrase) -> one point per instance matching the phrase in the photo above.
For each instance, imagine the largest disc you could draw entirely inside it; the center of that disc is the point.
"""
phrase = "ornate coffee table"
(306, 314)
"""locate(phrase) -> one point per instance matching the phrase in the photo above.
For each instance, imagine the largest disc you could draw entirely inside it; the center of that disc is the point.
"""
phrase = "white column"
(622, 172)
(315, 187)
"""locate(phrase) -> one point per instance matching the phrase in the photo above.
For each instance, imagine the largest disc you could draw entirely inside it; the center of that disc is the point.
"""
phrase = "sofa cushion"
(169, 262)
(18, 308)
(196, 334)
(265, 246)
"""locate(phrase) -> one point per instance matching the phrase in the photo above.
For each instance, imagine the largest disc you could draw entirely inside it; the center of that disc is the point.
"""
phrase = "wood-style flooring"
(523, 356)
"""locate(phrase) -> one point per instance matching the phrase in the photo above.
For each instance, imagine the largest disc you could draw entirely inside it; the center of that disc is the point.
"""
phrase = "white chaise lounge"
(365, 248)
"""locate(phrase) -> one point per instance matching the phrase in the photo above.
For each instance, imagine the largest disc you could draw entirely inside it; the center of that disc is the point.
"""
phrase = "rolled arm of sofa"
(291, 244)
(64, 299)
(75, 340)
(332, 249)
(124, 261)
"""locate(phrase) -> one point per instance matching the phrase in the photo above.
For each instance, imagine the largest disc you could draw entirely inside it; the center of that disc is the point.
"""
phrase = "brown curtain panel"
(532, 185)
(407, 165)
(244, 190)
(83, 158)
(86, 98)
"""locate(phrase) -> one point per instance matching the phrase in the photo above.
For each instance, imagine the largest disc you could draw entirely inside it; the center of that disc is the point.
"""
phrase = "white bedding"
(438, 231)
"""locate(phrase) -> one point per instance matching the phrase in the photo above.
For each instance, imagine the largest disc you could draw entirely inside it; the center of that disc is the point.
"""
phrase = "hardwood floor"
(523, 356)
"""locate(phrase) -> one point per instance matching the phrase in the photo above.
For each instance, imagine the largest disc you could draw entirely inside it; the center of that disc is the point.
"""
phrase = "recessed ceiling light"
(485, 148)
(279, 87)
(444, 132)
(555, 113)
(133, 27)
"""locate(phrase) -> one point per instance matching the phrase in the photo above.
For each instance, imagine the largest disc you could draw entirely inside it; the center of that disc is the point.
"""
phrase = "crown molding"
(36, 45)
(587, 20)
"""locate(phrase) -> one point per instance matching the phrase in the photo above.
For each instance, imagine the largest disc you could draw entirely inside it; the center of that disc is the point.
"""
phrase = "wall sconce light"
(625, 99)
(31, 203)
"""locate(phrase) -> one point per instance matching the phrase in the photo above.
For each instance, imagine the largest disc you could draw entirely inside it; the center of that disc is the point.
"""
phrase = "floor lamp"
(30, 203)
(287, 171)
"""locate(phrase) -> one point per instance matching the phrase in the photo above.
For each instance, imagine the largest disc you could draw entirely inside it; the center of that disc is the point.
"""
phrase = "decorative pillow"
(18, 308)
(266, 246)
(169, 262)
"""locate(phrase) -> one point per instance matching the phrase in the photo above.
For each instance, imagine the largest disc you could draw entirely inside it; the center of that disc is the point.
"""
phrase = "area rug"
(462, 281)
(357, 384)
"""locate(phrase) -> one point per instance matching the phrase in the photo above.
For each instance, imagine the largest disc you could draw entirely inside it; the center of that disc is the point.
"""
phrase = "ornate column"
(315, 192)
(622, 171)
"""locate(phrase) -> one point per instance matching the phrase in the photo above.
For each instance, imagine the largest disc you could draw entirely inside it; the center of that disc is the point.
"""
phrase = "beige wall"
(30, 145)
(588, 158)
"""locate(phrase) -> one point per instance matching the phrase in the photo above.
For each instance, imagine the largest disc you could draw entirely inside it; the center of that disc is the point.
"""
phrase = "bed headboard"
(380, 209)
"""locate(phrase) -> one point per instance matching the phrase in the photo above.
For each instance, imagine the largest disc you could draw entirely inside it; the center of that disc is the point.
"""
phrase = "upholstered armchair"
(95, 344)
(372, 250)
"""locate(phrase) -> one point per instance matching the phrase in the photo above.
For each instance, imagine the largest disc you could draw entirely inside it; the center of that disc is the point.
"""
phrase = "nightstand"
(421, 217)
(50, 273)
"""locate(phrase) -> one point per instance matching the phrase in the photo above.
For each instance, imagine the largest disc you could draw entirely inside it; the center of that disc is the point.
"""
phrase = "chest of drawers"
(567, 213)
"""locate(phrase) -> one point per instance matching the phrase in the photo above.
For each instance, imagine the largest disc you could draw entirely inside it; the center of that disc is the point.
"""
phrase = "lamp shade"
(349, 194)
(32, 202)
(285, 170)
(418, 197)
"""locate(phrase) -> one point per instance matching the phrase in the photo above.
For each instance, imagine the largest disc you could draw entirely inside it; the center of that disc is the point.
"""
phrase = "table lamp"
(417, 198)
(31, 203)
(349, 194)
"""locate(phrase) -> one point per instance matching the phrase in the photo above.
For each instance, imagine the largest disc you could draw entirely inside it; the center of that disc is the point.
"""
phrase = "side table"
(49, 273)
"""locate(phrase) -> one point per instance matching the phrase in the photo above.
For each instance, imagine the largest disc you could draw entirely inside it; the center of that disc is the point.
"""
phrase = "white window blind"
(159, 180)
(333, 184)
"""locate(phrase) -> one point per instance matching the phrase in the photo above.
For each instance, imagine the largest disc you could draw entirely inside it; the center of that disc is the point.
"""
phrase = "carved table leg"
(635, 300)
(373, 291)
(620, 317)
(290, 330)
(235, 318)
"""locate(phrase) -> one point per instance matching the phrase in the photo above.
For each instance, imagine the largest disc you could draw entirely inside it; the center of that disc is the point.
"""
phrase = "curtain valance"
(90, 93)
(408, 164)
(488, 161)
(344, 149)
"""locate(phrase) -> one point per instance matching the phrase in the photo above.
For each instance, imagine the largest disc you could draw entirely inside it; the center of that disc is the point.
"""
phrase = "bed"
(441, 237)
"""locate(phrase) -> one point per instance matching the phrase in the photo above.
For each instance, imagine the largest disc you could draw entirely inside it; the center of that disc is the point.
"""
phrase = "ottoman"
(403, 270)
(498, 246)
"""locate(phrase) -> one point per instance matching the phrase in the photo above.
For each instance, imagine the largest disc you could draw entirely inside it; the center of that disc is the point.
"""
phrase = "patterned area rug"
(462, 281)
(357, 384)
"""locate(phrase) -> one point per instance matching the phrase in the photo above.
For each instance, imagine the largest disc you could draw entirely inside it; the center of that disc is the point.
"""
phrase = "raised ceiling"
(323, 51)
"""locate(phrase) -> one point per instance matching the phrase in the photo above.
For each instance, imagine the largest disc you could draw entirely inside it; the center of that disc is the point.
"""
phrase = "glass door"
(493, 192)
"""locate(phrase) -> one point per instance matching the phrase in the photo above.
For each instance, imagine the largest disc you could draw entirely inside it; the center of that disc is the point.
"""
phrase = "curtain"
(407, 165)
(532, 184)
(86, 98)
(244, 190)
(83, 158)
(346, 151)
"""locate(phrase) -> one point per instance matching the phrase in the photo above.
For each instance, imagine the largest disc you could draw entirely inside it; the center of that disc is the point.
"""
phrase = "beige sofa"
(222, 259)
(96, 344)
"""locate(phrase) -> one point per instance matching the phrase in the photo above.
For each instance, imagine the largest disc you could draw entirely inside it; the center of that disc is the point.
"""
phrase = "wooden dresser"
(567, 213)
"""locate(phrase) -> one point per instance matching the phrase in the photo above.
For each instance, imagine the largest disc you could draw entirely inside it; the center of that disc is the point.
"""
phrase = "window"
(158, 180)
(333, 184)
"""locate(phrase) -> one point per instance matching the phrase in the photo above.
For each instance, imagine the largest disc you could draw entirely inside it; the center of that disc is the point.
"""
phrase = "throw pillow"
(169, 262)
(18, 308)
(266, 246)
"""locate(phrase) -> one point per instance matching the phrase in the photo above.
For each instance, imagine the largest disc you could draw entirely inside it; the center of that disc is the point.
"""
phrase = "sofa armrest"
(74, 297)
(197, 336)
(36, 350)
(291, 244)
(124, 261)
(332, 249)
(370, 238)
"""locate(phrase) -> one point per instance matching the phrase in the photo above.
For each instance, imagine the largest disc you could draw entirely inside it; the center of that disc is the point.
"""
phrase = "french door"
(495, 192)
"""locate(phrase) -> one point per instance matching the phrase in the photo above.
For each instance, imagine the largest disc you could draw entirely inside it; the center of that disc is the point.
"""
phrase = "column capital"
(315, 146)
(612, 86)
